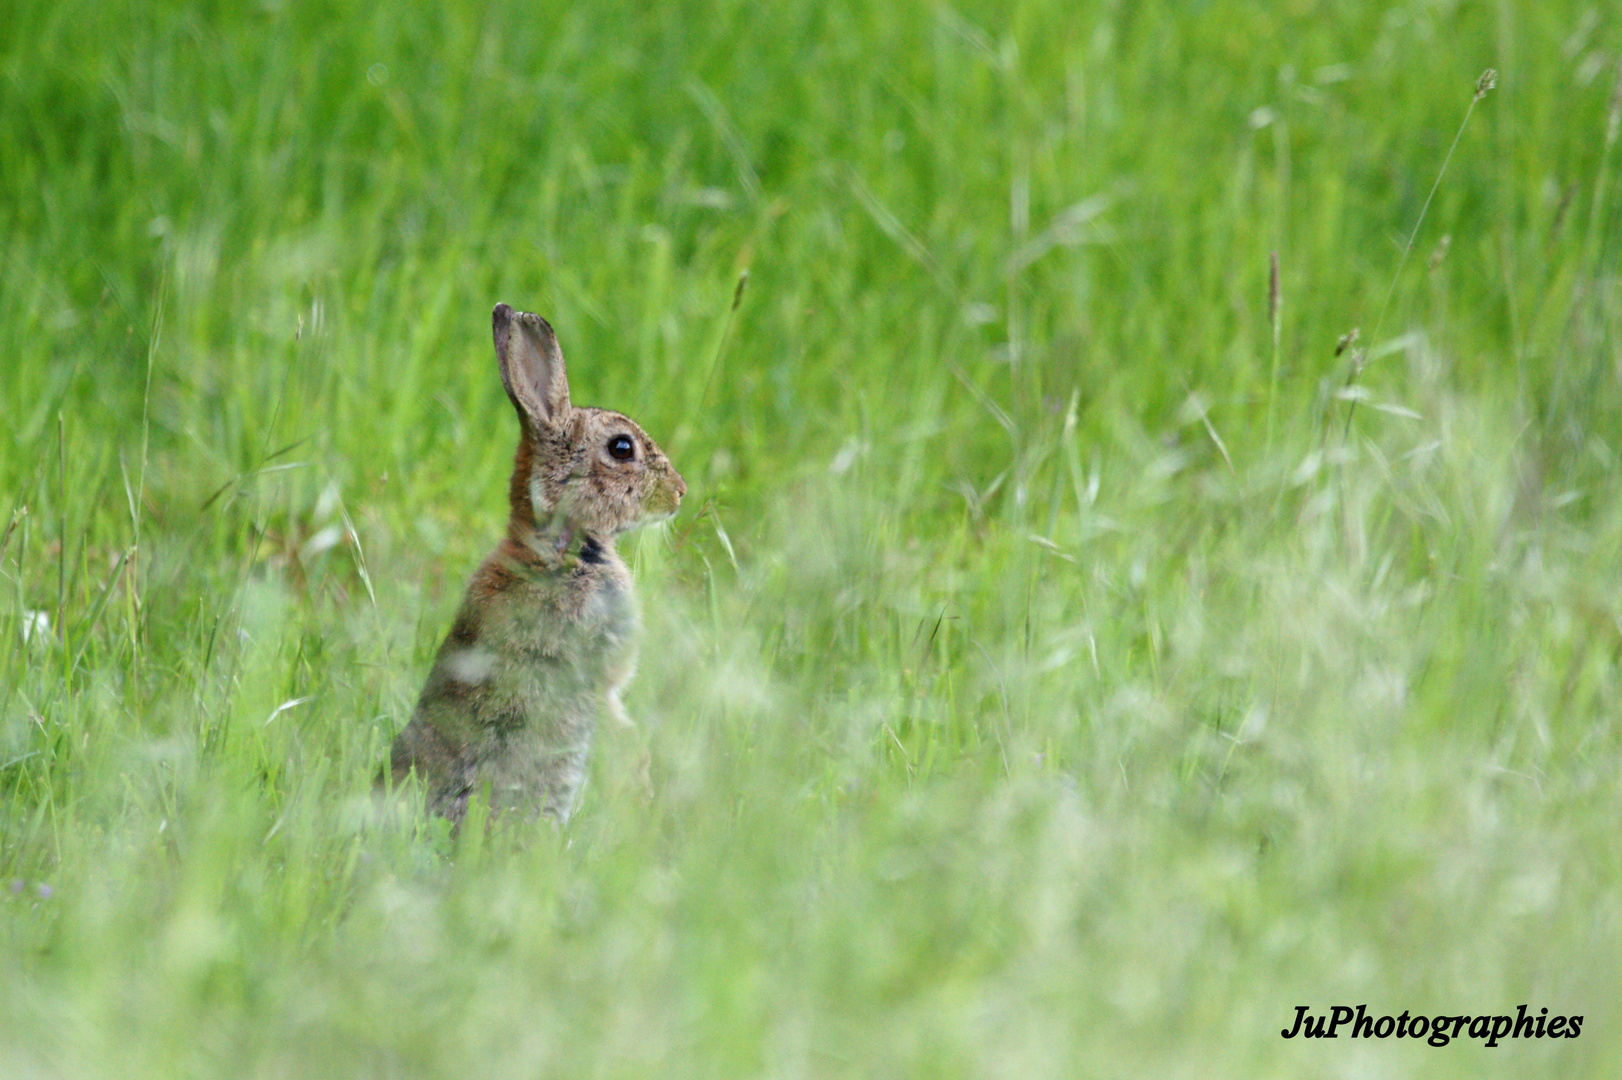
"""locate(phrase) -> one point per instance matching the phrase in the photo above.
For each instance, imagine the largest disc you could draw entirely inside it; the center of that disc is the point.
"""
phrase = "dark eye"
(621, 448)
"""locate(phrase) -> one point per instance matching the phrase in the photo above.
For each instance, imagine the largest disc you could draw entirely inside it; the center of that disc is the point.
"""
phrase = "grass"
(1038, 682)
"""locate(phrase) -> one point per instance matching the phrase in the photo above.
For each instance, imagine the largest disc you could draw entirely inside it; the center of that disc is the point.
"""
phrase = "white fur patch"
(471, 667)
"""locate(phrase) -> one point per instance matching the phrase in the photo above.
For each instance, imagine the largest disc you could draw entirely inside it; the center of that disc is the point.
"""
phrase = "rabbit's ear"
(531, 366)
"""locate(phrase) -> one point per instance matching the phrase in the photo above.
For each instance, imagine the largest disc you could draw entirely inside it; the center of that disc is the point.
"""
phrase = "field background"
(1050, 673)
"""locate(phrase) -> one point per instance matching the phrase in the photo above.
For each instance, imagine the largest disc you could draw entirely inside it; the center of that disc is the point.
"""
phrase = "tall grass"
(1030, 688)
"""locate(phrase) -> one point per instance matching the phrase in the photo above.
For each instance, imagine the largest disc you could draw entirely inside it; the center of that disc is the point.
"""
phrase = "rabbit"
(545, 639)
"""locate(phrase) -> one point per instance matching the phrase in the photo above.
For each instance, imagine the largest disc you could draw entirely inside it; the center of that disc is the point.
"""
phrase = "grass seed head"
(1441, 251)
(1272, 290)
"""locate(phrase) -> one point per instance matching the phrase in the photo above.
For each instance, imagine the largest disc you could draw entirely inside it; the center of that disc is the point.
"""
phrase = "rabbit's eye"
(621, 448)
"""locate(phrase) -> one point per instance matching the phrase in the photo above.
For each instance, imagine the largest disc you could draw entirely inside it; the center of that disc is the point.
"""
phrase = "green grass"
(1043, 678)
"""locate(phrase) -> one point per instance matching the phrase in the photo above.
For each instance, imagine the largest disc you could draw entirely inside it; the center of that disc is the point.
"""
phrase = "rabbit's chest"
(578, 642)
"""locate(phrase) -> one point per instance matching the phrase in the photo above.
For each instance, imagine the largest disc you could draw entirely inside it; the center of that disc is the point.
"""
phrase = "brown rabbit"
(545, 638)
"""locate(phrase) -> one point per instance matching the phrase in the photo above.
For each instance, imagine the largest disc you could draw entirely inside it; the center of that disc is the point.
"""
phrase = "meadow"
(1077, 648)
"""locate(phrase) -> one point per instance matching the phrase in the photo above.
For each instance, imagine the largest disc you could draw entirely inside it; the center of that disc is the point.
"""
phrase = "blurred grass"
(1013, 704)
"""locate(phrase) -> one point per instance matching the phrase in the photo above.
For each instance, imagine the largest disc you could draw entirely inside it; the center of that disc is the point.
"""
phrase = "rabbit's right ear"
(531, 366)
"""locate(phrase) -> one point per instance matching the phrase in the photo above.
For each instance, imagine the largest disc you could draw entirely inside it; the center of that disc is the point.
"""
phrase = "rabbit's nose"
(681, 486)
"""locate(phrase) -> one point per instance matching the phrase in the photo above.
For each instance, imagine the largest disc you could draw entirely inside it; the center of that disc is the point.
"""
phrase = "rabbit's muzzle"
(665, 498)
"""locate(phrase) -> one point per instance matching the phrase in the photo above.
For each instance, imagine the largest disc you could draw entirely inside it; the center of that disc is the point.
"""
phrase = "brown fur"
(545, 638)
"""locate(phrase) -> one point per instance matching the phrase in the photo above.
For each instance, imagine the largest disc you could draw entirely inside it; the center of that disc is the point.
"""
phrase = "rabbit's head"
(577, 468)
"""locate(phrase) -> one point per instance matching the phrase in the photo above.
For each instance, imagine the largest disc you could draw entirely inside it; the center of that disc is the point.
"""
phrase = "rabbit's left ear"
(531, 367)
